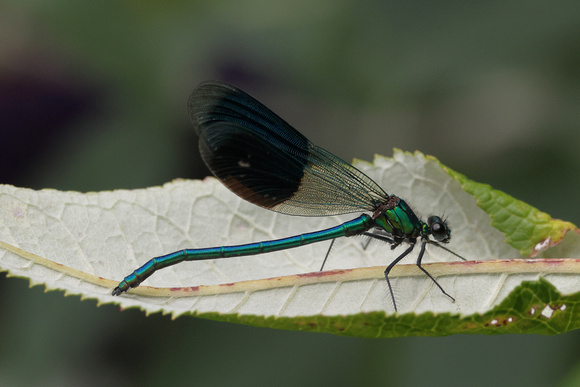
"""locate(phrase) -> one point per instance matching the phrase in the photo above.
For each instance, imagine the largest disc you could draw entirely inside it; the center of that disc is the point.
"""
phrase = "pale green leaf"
(86, 243)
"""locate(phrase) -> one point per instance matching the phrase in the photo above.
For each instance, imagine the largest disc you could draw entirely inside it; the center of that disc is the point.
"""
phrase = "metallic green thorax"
(399, 220)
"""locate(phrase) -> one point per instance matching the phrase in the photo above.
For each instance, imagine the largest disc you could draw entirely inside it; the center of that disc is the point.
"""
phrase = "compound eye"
(439, 229)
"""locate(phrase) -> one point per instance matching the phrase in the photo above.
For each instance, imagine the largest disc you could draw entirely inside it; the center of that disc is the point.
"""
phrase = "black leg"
(444, 248)
(419, 259)
(366, 242)
(382, 238)
(376, 235)
(327, 254)
(391, 265)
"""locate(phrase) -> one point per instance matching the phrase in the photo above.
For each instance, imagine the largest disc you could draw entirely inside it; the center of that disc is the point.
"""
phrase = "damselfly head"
(439, 229)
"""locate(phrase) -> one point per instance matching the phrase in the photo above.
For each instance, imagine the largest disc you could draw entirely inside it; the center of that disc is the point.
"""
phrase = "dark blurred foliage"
(36, 114)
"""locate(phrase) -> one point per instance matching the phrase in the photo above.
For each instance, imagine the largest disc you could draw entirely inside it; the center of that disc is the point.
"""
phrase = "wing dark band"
(267, 162)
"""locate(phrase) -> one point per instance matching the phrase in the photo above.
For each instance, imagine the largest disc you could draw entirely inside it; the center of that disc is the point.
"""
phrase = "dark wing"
(264, 160)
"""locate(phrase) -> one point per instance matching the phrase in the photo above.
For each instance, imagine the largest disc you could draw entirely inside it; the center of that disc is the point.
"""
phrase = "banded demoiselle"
(267, 162)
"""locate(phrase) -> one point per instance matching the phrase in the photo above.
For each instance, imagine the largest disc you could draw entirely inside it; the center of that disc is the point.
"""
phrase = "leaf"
(86, 243)
(526, 228)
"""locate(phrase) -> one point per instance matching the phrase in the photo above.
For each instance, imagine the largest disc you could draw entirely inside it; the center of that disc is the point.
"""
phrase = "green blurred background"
(93, 98)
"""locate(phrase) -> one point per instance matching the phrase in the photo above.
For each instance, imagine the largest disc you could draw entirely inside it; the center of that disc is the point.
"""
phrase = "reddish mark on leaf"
(18, 213)
(499, 322)
(322, 273)
(185, 289)
(508, 320)
(464, 263)
(553, 262)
